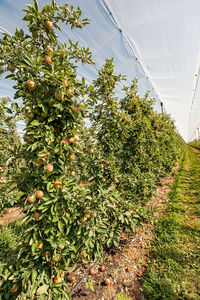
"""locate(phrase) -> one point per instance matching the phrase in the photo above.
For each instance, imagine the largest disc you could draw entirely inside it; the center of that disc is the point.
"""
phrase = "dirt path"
(11, 215)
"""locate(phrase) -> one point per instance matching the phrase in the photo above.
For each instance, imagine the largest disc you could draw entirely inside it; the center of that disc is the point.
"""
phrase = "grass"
(174, 272)
(195, 144)
(10, 238)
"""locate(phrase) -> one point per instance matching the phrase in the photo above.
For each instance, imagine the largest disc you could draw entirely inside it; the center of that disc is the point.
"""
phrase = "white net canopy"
(156, 41)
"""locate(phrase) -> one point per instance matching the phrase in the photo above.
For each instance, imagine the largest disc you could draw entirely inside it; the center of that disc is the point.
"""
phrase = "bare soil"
(11, 215)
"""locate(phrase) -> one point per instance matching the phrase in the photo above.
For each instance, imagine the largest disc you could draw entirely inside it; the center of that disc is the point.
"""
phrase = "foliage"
(139, 144)
(195, 144)
(46, 81)
(9, 143)
(81, 187)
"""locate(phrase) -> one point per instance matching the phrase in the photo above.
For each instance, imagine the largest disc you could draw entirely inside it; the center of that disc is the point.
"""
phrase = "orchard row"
(82, 186)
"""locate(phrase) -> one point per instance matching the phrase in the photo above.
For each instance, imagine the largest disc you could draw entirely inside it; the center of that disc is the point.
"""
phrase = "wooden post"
(162, 108)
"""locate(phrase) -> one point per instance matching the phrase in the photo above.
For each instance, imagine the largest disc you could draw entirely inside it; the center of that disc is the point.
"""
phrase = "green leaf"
(35, 123)
(43, 289)
(36, 5)
(8, 110)
(15, 107)
(35, 146)
(20, 194)
(10, 76)
(91, 88)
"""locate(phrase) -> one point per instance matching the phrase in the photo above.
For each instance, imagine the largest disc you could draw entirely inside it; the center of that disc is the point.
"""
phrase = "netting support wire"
(193, 97)
(86, 274)
(3, 30)
(129, 45)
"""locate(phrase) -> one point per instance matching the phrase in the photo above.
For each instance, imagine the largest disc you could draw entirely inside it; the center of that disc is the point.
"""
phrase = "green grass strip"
(174, 271)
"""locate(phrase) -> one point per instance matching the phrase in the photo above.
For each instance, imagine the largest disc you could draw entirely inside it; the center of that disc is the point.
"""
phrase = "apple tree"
(45, 77)
(9, 165)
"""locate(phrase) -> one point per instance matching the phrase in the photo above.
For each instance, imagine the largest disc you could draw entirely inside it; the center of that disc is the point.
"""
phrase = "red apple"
(92, 271)
(107, 282)
(102, 268)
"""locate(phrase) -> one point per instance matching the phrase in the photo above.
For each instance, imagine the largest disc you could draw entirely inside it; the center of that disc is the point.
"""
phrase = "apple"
(122, 236)
(44, 114)
(76, 138)
(14, 288)
(92, 271)
(107, 282)
(65, 141)
(49, 25)
(40, 245)
(30, 116)
(59, 95)
(58, 279)
(31, 198)
(49, 48)
(74, 108)
(39, 162)
(70, 92)
(72, 280)
(11, 68)
(102, 268)
(115, 179)
(83, 254)
(31, 85)
(48, 60)
(71, 140)
(39, 194)
(84, 219)
(91, 151)
(101, 166)
(49, 168)
(37, 216)
(139, 273)
(57, 184)
(73, 173)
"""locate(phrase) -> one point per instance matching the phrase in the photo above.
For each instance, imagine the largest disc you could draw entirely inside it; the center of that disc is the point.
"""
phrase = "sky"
(156, 41)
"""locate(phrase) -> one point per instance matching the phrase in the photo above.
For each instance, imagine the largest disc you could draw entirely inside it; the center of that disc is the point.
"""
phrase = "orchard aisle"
(174, 272)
